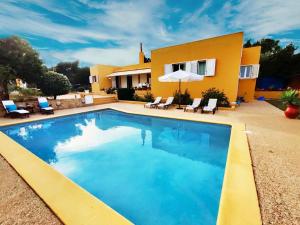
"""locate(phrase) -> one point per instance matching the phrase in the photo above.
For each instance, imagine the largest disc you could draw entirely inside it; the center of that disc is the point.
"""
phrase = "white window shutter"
(168, 68)
(194, 67)
(210, 67)
(97, 78)
(91, 79)
(188, 67)
(255, 71)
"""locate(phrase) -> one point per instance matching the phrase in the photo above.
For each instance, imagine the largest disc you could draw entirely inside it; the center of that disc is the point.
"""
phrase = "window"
(201, 67)
(93, 79)
(178, 66)
(246, 71)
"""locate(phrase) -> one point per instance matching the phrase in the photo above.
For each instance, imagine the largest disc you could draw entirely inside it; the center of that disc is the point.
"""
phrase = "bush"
(136, 97)
(126, 93)
(54, 84)
(29, 91)
(111, 91)
(148, 97)
(83, 88)
(185, 98)
(215, 93)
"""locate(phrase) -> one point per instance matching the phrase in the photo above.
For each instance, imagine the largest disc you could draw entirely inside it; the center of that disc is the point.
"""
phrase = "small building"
(223, 61)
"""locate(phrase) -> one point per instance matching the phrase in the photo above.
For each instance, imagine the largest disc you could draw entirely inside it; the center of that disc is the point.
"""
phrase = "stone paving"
(275, 149)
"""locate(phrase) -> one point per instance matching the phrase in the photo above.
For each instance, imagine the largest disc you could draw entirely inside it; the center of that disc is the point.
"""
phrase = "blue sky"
(109, 32)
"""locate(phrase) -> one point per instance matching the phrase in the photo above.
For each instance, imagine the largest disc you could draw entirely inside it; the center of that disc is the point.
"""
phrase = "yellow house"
(223, 61)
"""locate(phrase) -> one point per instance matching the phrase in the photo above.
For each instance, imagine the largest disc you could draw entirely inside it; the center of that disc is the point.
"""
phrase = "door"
(117, 82)
(129, 81)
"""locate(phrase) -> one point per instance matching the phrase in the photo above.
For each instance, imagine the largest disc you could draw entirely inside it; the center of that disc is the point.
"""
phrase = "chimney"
(141, 55)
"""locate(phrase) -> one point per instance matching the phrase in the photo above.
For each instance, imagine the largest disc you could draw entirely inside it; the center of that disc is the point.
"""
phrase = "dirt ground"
(275, 149)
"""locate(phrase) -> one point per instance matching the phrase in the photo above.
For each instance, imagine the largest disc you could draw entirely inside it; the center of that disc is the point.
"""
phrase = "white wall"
(143, 78)
(135, 80)
(123, 81)
(113, 82)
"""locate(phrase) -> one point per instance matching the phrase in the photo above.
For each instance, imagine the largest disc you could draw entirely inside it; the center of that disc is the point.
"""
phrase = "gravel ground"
(275, 149)
(18, 202)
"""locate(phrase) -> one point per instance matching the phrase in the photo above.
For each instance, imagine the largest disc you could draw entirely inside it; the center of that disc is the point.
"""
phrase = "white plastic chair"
(167, 104)
(195, 106)
(211, 106)
(153, 104)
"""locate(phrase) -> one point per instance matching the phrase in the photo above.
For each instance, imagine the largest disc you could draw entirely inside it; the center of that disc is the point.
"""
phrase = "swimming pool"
(151, 170)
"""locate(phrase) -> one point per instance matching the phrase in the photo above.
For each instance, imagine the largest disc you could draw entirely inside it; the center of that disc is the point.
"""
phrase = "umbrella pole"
(179, 97)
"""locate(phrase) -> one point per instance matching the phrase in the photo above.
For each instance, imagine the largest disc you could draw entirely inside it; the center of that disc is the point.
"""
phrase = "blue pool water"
(153, 171)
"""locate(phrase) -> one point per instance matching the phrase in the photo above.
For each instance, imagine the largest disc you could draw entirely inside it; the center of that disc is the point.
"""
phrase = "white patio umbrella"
(180, 76)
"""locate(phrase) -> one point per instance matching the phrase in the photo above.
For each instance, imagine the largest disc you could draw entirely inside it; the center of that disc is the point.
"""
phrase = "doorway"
(129, 81)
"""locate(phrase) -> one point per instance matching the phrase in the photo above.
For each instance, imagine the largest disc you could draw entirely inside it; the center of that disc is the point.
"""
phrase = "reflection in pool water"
(151, 170)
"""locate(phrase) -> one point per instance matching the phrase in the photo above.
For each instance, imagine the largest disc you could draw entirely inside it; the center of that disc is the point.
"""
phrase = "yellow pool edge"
(74, 205)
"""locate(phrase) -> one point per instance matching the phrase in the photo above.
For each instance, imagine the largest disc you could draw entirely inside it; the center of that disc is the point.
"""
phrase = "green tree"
(69, 69)
(54, 84)
(78, 76)
(268, 46)
(82, 76)
(275, 60)
(6, 75)
(20, 60)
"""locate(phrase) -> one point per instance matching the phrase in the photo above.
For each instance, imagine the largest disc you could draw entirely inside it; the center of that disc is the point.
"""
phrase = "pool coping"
(238, 202)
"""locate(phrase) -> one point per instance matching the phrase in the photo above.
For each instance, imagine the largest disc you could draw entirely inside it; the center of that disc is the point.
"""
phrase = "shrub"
(215, 93)
(185, 98)
(80, 89)
(290, 97)
(126, 93)
(29, 91)
(148, 97)
(54, 84)
(136, 97)
(111, 91)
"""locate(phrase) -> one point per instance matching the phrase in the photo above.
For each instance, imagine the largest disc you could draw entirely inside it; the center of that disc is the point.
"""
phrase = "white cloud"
(126, 23)
(109, 56)
(32, 23)
(261, 18)
(67, 10)
(194, 16)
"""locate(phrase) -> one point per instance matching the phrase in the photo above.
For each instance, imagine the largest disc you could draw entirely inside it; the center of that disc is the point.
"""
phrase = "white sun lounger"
(167, 104)
(211, 107)
(11, 109)
(153, 104)
(44, 106)
(195, 106)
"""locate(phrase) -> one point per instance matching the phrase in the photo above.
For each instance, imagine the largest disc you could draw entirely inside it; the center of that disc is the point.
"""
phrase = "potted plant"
(290, 98)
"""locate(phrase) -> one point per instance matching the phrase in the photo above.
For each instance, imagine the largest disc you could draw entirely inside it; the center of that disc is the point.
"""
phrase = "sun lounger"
(44, 106)
(211, 107)
(167, 104)
(12, 110)
(195, 106)
(153, 104)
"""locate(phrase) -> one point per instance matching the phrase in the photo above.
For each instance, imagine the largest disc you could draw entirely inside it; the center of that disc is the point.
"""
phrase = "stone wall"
(61, 103)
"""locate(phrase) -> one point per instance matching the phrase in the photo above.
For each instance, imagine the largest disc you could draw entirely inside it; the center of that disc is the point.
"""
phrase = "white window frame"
(93, 79)
(183, 63)
(192, 66)
(253, 74)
